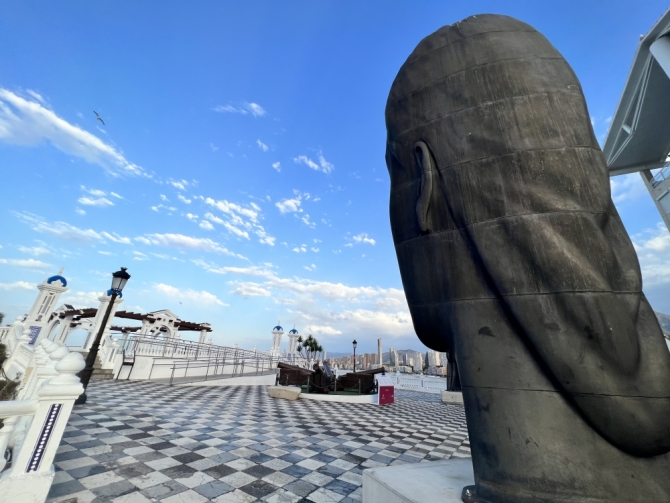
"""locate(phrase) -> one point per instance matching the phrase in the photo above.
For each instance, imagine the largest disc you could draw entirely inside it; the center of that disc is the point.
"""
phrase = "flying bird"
(98, 117)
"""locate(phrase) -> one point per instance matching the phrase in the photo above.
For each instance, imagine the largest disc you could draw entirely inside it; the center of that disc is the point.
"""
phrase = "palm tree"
(309, 348)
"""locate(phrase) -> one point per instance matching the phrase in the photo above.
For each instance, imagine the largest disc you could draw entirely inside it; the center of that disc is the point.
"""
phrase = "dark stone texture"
(515, 261)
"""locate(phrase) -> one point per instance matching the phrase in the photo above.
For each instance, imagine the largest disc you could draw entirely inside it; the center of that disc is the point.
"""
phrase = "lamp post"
(355, 344)
(119, 280)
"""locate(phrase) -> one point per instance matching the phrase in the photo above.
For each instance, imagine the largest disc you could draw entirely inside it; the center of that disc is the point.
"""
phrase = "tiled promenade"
(138, 441)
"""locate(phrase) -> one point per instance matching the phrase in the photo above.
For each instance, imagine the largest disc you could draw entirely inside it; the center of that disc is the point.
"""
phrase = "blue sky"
(240, 172)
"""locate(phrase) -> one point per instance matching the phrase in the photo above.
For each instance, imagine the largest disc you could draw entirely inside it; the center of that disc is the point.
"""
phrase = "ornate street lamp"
(355, 344)
(119, 280)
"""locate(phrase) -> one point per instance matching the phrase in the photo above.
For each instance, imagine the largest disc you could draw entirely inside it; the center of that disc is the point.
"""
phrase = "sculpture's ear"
(424, 163)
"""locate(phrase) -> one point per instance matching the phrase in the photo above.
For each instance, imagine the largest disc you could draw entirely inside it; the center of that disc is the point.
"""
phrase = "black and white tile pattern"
(140, 441)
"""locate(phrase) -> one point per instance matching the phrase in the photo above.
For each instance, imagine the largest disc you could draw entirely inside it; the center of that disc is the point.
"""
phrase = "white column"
(102, 309)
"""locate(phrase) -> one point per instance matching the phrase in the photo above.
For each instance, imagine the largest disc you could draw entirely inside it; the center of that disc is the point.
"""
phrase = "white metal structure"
(639, 135)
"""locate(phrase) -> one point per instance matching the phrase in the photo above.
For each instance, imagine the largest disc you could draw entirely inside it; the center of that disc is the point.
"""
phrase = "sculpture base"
(452, 397)
(432, 482)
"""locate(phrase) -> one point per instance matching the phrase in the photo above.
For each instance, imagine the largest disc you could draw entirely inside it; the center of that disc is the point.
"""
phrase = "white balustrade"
(33, 426)
(428, 384)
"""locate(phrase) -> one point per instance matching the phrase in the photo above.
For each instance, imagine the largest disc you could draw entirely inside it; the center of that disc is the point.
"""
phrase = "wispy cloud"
(28, 263)
(262, 146)
(277, 166)
(300, 249)
(240, 220)
(363, 238)
(289, 205)
(245, 108)
(322, 165)
(653, 250)
(250, 290)
(326, 308)
(100, 202)
(178, 184)
(197, 297)
(627, 187)
(17, 285)
(26, 122)
(308, 222)
(35, 250)
(69, 232)
(180, 241)
(183, 199)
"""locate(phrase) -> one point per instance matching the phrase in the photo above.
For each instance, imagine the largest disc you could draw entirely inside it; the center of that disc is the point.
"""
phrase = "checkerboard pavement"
(140, 441)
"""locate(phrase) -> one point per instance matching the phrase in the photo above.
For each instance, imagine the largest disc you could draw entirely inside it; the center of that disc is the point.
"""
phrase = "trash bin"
(386, 393)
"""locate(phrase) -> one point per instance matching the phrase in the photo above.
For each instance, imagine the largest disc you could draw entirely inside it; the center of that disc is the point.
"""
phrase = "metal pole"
(85, 375)
(355, 362)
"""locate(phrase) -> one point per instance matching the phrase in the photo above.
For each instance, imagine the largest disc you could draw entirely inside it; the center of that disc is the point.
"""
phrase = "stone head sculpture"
(514, 259)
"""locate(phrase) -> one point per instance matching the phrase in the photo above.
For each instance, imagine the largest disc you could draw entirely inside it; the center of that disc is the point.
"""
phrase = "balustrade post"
(30, 477)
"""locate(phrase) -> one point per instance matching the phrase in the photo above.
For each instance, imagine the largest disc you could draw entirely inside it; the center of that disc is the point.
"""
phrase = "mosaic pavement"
(140, 441)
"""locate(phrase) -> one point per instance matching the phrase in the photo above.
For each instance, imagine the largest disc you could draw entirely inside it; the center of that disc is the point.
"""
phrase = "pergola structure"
(639, 135)
(155, 323)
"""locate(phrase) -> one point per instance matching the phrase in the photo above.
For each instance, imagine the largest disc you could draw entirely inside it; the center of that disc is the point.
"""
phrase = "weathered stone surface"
(452, 397)
(287, 392)
(514, 259)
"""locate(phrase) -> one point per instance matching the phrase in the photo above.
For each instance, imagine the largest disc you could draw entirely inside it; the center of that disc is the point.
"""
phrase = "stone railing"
(33, 426)
(4, 332)
(429, 384)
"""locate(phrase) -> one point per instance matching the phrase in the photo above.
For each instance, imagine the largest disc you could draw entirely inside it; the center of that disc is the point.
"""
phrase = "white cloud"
(307, 222)
(186, 242)
(93, 192)
(262, 146)
(311, 267)
(35, 250)
(245, 108)
(300, 249)
(168, 208)
(323, 165)
(192, 217)
(250, 290)
(363, 238)
(179, 184)
(69, 232)
(35, 95)
(17, 285)
(315, 250)
(326, 308)
(79, 211)
(240, 219)
(81, 299)
(197, 297)
(164, 197)
(653, 250)
(114, 194)
(102, 252)
(627, 187)
(100, 202)
(28, 123)
(28, 263)
(139, 256)
(204, 224)
(289, 205)
(244, 271)
(277, 166)
(303, 159)
(183, 199)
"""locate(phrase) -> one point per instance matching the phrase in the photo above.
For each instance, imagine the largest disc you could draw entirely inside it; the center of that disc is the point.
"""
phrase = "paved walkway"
(143, 441)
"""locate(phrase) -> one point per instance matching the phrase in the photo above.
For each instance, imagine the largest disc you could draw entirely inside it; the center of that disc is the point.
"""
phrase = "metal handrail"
(169, 348)
(660, 176)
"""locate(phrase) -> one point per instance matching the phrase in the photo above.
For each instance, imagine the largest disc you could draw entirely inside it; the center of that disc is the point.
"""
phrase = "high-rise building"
(418, 362)
(393, 357)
